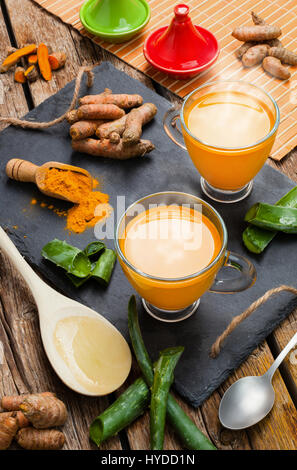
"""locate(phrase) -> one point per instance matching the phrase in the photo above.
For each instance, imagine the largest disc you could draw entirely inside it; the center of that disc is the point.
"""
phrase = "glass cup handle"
(228, 283)
(170, 124)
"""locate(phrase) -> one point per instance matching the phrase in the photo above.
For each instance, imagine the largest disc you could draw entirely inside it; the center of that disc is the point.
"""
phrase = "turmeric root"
(44, 411)
(31, 74)
(43, 62)
(99, 111)
(274, 43)
(130, 125)
(57, 60)
(8, 429)
(257, 19)
(10, 50)
(83, 129)
(19, 75)
(247, 45)
(274, 66)
(104, 148)
(72, 116)
(18, 415)
(135, 120)
(254, 55)
(113, 127)
(40, 439)
(284, 55)
(32, 59)
(122, 100)
(256, 33)
(114, 138)
(14, 58)
(12, 403)
(244, 48)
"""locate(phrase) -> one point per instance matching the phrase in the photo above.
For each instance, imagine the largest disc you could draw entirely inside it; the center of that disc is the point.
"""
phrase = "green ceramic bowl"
(115, 20)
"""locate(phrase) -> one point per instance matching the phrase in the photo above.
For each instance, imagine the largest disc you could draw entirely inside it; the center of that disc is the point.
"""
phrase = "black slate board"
(166, 168)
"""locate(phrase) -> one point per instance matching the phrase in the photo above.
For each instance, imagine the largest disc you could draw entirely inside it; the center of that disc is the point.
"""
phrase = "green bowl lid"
(114, 17)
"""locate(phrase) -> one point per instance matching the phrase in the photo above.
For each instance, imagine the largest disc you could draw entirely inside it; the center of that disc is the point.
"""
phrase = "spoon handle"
(281, 357)
(39, 289)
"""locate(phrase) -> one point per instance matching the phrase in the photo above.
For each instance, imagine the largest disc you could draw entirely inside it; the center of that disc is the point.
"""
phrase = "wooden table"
(26, 368)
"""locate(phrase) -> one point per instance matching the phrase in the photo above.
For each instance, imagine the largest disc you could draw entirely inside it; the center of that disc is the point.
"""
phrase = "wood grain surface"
(26, 368)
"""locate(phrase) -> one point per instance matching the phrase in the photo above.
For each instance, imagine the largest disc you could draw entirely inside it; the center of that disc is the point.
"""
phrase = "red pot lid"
(181, 47)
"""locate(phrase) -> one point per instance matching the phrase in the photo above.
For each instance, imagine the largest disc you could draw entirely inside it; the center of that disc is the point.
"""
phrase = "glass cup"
(226, 173)
(173, 300)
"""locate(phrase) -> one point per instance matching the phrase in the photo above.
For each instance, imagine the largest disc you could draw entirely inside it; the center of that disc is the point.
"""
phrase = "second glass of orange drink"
(228, 129)
(171, 247)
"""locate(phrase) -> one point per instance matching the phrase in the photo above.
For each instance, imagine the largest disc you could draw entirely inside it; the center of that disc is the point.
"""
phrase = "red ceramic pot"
(181, 50)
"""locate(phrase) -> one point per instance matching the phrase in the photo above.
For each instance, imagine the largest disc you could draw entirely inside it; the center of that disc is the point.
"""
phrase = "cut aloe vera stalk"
(276, 218)
(257, 239)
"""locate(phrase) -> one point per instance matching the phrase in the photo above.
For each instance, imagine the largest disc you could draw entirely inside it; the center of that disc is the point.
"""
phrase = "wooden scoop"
(22, 170)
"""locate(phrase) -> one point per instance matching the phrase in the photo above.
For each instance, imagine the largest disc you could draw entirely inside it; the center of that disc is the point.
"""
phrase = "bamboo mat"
(221, 17)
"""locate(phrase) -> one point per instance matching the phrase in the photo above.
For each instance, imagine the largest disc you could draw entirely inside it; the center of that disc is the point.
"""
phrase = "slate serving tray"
(166, 168)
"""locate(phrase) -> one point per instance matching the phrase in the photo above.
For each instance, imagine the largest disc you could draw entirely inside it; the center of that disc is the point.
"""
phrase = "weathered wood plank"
(287, 165)
(281, 336)
(98, 55)
(12, 97)
(35, 25)
(32, 25)
(276, 431)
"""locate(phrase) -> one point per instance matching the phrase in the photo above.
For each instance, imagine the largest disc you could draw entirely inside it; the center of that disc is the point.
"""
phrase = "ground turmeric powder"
(66, 183)
(81, 215)
(86, 214)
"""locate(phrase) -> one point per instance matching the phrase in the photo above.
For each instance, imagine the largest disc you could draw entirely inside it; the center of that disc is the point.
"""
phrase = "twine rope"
(216, 347)
(44, 125)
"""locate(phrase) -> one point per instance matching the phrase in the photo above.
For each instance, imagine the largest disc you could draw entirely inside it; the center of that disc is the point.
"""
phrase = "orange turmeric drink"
(171, 246)
(229, 129)
(237, 120)
(171, 242)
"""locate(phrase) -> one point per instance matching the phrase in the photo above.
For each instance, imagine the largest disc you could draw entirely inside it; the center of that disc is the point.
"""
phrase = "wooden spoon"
(23, 170)
(56, 315)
